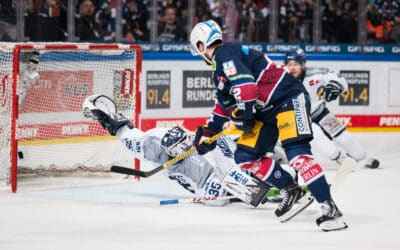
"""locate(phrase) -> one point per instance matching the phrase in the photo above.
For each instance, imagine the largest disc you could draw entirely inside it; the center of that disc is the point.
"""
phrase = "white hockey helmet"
(207, 33)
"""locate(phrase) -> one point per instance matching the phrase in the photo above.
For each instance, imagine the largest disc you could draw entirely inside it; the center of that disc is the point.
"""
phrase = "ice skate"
(291, 194)
(330, 219)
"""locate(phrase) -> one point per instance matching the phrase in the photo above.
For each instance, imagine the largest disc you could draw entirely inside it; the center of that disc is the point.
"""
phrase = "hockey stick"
(145, 174)
(272, 193)
(194, 200)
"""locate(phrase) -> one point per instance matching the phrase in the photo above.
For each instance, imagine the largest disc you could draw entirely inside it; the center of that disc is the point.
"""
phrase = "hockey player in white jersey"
(201, 175)
(324, 86)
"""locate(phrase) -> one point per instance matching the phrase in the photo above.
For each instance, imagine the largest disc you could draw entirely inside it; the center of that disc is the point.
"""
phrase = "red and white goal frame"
(42, 125)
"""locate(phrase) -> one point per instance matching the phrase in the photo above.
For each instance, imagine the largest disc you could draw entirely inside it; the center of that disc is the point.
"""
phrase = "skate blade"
(301, 204)
(277, 199)
(347, 166)
(333, 225)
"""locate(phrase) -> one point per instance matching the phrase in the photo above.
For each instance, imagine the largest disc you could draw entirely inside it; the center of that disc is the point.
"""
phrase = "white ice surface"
(117, 213)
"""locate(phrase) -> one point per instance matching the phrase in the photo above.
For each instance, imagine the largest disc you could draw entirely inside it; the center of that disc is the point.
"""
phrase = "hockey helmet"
(296, 55)
(176, 141)
(207, 33)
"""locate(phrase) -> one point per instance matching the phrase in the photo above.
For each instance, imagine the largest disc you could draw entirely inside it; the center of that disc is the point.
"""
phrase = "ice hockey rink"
(119, 213)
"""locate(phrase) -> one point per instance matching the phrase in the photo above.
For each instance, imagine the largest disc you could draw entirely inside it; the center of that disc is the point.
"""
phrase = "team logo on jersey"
(133, 146)
(221, 81)
(278, 174)
(224, 147)
(303, 126)
(239, 177)
(313, 82)
(229, 68)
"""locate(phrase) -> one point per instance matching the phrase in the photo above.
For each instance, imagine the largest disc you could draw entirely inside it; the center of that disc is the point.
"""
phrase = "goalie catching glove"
(102, 108)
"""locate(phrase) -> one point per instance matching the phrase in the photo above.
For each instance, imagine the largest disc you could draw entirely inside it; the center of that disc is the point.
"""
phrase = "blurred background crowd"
(307, 21)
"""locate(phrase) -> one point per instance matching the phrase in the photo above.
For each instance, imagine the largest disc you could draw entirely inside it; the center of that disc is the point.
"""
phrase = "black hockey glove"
(244, 124)
(203, 147)
(332, 90)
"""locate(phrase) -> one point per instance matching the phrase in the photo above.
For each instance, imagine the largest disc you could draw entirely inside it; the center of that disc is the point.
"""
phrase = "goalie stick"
(273, 192)
(145, 174)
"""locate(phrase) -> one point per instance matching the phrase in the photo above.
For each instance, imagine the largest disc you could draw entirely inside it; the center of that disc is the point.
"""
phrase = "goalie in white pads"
(201, 175)
(324, 86)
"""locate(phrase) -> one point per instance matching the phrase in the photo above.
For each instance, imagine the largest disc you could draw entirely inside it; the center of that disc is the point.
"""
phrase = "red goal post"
(42, 125)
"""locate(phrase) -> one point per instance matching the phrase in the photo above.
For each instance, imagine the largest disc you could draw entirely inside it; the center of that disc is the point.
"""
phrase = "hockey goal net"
(42, 88)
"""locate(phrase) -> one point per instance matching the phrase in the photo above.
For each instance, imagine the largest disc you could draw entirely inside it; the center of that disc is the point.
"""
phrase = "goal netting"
(42, 88)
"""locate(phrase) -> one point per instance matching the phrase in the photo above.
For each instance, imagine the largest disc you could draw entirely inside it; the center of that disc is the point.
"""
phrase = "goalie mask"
(176, 141)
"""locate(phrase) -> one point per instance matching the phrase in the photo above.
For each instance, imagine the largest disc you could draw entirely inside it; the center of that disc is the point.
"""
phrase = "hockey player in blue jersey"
(268, 104)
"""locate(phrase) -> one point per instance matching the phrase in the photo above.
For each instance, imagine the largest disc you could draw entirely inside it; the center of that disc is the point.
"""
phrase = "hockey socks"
(313, 176)
(269, 171)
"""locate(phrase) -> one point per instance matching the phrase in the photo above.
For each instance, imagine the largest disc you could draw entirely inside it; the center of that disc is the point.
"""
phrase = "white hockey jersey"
(315, 79)
(194, 172)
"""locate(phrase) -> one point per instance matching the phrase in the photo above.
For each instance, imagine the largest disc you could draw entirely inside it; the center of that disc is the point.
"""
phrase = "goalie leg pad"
(250, 190)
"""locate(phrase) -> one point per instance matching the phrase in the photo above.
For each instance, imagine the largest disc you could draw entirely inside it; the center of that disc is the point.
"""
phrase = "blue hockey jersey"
(246, 78)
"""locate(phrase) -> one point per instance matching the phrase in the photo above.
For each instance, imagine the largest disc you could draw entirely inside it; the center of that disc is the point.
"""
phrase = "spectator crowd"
(242, 20)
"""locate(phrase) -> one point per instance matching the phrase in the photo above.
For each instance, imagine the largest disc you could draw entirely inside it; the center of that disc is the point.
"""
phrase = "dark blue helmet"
(176, 141)
(296, 55)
